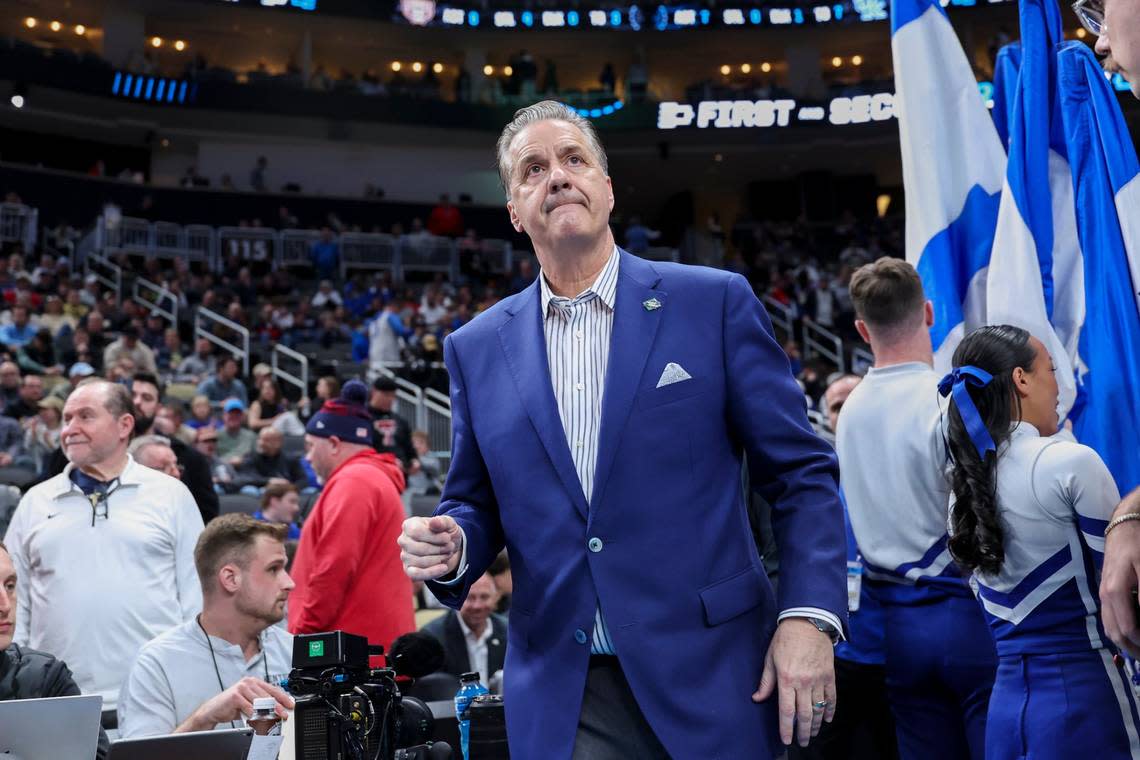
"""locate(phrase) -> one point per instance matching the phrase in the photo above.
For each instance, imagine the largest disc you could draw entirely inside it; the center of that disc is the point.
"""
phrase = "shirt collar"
(129, 477)
(604, 287)
(902, 368)
(1023, 429)
(467, 632)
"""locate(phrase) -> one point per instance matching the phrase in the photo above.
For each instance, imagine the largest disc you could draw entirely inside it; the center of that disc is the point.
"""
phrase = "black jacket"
(446, 629)
(257, 469)
(28, 674)
(391, 434)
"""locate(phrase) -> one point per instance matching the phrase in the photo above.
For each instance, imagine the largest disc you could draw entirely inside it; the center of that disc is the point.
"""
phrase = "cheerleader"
(1027, 517)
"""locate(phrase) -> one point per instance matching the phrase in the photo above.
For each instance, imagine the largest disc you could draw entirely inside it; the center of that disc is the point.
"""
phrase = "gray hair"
(116, 398)
(546, 110)
(145, 442)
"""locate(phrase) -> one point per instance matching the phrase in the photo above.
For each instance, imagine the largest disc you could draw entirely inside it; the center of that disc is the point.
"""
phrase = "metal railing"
(192, 243)
(19, 223)
(496, 256)
(200, 242)
(781, 315)
(821, 342)
(429, 254)
(248, 244)
(157, 299)
(293, 248)
(438, 428)
(359, 250)
(300, 380)
(107, 273)
(206, 321)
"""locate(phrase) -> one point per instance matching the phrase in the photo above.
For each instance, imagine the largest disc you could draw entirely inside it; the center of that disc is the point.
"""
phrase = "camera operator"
(205, 673)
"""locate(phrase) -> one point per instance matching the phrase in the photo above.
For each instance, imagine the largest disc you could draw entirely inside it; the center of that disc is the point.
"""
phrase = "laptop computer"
(227, 744)
(56, 728)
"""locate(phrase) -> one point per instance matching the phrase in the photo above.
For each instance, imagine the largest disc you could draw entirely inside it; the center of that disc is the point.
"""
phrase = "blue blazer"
(679, 580)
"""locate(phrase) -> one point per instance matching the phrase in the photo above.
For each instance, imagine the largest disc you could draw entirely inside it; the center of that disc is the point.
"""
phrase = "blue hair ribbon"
(957, 382)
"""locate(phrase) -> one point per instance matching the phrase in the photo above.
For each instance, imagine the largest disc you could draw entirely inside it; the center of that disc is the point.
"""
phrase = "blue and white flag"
(1035, 244)
(953, 169)
(1106, 188)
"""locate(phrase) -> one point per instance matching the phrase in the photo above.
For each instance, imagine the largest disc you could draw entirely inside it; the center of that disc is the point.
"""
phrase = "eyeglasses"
(100, 506)
(1091, 15)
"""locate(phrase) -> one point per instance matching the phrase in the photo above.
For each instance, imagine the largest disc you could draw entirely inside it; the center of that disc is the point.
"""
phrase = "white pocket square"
(673, 373)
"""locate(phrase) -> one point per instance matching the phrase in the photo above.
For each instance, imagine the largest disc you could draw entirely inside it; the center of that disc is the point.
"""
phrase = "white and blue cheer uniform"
(940, 659)
(1058, 693)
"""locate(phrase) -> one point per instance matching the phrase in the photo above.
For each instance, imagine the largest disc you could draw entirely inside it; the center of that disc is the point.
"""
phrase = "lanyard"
(214, 659)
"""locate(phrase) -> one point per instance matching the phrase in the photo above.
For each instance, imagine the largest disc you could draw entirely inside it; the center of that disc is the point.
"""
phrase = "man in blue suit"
(600, 421)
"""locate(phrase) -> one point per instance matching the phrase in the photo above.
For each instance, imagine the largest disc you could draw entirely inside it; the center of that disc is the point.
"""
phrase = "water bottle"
(469, 688)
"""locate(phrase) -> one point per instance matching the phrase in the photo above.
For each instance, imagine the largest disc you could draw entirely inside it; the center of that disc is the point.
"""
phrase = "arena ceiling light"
(30, 22)
(437, 68)
(179, 45)
(156, 42)
(766, 67)
(55, 26)
(857, 60)
(80, 29)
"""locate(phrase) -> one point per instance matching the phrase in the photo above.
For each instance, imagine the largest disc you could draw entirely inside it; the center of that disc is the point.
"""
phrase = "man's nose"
(559, 179)
(1101, 47)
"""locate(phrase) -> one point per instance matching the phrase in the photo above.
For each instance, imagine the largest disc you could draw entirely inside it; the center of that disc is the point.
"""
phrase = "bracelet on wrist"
(1122, 519)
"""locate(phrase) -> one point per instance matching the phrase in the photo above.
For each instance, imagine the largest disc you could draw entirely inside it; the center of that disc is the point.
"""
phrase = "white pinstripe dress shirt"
(578, 334)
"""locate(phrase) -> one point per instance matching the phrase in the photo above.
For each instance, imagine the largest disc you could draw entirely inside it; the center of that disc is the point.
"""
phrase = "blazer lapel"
(635, 327)
(524, 345)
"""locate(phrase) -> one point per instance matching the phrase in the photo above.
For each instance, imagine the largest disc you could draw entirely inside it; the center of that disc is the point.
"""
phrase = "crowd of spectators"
(231, 434)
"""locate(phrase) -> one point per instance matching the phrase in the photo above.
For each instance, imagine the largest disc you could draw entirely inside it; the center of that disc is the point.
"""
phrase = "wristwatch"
(825, 627)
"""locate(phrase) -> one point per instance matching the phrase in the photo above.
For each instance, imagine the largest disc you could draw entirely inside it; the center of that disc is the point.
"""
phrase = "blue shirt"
(325, 256)
(17, 337)
(294, 533)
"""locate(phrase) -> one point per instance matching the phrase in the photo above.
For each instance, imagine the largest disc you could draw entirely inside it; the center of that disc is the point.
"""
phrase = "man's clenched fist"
(430, 547)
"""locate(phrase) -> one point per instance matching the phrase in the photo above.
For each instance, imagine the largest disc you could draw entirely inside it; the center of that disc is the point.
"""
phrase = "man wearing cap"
(75, 376)
(392, 433)
(348, 570)
(130, 346)
(235, 440)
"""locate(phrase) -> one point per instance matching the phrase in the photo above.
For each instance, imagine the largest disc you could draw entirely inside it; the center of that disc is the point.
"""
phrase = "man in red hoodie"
(348, 570)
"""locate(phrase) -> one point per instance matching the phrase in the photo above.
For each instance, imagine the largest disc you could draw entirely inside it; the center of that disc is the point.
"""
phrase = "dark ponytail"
(977, 532)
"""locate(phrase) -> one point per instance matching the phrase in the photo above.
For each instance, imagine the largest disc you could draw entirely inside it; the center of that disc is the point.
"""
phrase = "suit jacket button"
(580, 636)
(595, 545)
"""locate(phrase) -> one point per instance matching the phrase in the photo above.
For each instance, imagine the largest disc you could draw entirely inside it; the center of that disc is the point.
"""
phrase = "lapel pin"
(651, 305)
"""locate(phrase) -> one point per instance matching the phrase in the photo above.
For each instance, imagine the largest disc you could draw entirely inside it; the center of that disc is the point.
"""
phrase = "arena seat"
(238, 502)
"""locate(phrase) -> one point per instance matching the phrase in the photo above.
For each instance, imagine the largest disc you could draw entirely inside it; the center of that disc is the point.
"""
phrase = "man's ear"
(928, 313)
(229, 578)
(861, 328)
(515, 221)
